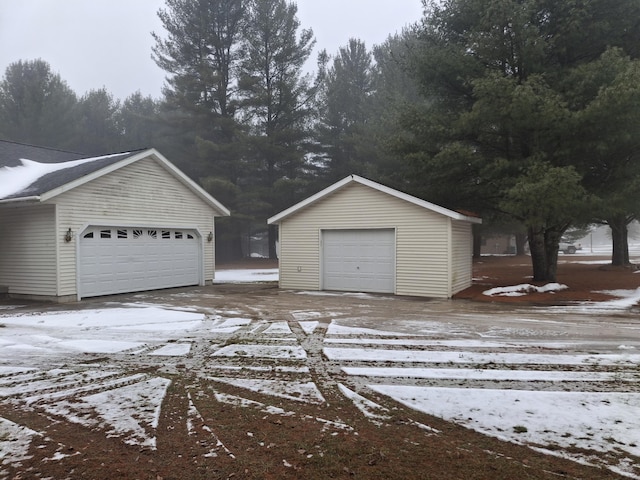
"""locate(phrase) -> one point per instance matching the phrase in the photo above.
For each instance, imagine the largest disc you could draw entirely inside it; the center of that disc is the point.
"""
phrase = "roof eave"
(308, 201)
(32, 199)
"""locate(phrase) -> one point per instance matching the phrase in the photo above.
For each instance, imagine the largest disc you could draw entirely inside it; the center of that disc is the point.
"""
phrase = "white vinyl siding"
(142, 194)
(462, 256)
(28, 246)
(422, 239)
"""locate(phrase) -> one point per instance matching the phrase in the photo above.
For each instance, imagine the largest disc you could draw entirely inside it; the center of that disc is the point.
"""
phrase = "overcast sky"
(107, 43)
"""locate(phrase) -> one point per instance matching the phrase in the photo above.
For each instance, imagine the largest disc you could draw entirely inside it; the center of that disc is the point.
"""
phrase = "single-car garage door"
(120, 259)
(359, 260)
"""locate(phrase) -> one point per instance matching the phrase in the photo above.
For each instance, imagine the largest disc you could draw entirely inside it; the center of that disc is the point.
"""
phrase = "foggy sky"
(107, 43)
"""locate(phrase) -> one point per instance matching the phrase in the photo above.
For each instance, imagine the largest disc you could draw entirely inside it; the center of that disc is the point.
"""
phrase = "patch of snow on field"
(524, 289)
(14, 442)
(132, 411)
(98, 346)
(335, 329)
(628, 298)
(5, 370)
(306, 392)
(491, 375)
(292, 352)
(230, 325)
(172, 350)
(278, 328)
(309, 327)
(107, 330)
(547, 420)
(377, 413)
(247, 275)
(109, 318)
(127, 410)
(425, 356)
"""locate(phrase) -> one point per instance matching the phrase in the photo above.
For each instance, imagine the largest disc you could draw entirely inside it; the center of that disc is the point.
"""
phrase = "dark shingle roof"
(11, 153)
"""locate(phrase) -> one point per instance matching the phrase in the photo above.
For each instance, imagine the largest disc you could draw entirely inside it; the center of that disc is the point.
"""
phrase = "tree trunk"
(521, 240)
(620, 241)
(538, 257)
(477, 243)
(551, 240)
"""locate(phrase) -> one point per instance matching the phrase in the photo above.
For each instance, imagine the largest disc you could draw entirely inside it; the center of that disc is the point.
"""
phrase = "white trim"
(34, 198)
(376, 186)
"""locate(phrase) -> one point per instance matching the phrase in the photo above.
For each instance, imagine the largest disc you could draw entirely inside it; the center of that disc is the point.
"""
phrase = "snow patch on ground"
(524, 289)
(15, 441)
(548, 420)
(306, 392)
(293, 352)
(247, 275)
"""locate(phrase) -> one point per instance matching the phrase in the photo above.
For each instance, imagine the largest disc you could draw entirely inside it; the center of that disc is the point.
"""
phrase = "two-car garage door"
(359, 260)
(124, 259)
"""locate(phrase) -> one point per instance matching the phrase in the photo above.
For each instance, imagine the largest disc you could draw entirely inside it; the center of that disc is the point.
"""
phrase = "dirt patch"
(587, 278)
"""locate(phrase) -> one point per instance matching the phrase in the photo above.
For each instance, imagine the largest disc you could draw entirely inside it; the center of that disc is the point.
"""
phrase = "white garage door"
(119, 260)
(359, 260)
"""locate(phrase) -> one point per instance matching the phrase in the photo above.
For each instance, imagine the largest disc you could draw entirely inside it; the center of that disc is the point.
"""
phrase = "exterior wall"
(422, 239)
(462, 256)
(28, 259)
(141, 194)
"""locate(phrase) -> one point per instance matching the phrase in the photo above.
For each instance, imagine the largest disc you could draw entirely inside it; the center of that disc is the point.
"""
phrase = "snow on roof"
(15, 179)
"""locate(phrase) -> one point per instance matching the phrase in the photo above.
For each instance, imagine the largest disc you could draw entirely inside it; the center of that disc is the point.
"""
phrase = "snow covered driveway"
(565, 381)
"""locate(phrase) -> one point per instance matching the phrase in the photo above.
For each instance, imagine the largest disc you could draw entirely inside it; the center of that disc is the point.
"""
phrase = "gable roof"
(351, 179)
(56, 172)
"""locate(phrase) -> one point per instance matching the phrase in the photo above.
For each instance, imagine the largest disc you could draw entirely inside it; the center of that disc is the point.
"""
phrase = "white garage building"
(73, 227)
(360, 236)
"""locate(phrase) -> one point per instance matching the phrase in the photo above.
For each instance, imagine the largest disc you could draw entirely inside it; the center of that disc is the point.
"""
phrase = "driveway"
(563, 381)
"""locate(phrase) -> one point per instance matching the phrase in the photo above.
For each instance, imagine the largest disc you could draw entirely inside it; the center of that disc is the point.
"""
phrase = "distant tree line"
(526, 112)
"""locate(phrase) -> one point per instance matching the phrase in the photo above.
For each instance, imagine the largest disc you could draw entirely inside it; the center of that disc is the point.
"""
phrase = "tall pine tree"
(276, 103)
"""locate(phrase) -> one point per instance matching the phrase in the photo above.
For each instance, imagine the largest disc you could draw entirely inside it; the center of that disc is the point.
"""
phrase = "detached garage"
(74, 227)
(360, 236)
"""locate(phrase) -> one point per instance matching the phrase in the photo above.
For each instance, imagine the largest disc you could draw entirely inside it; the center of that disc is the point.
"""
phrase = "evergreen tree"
(503, 117)
(276, 103)
(139, 122)
(344, 111)
(200, 54)
(36, 105)
(96, 123)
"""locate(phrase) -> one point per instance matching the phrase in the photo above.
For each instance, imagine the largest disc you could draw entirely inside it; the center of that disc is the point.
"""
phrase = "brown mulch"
(587, 278)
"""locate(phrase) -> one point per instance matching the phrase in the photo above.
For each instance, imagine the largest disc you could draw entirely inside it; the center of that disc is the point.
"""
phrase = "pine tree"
(276, 103)
(36, 105)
